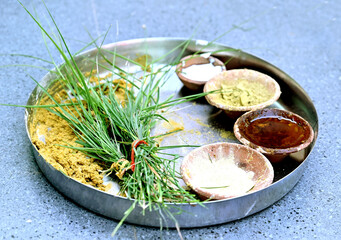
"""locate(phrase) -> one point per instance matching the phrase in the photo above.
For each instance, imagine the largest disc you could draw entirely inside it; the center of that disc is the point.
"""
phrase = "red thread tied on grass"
(134, 145)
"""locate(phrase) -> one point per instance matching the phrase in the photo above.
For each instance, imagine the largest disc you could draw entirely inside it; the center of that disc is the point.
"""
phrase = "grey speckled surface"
(303, 39)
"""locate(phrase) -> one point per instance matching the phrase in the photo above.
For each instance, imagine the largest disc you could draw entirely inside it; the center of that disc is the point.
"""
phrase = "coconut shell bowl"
(274, 132)
(241, 90)
(197, 81)
(226, 170)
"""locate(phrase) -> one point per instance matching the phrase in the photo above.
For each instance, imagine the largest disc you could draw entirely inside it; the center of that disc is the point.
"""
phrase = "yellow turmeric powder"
(243, 93)
(49, 133)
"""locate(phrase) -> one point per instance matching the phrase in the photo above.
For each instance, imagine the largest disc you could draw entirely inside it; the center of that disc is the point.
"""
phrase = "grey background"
(301, 38)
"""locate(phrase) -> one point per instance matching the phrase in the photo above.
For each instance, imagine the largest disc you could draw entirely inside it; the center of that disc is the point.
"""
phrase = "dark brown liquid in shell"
(276, 132)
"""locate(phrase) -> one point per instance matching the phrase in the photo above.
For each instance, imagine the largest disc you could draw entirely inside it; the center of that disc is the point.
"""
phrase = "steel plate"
(287, 173)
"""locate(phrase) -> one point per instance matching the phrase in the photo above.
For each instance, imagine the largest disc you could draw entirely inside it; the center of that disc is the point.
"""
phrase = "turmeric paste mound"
(50, 134)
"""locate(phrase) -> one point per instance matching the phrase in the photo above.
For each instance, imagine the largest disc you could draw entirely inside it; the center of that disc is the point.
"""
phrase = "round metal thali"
(209, 128)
